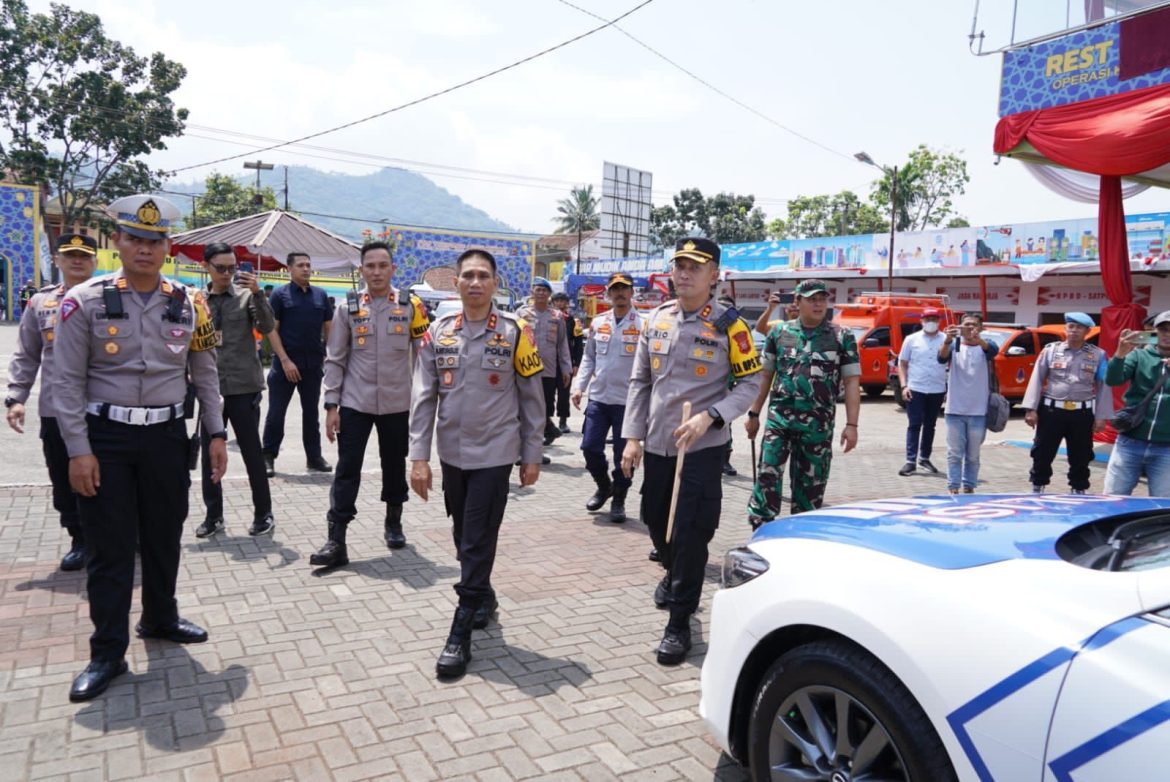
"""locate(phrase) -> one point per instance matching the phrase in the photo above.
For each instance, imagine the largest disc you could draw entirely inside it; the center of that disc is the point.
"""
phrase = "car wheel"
(830, 711)
(873, 390)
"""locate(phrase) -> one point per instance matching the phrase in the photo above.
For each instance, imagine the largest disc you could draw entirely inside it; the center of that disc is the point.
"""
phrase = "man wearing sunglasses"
(237, 307)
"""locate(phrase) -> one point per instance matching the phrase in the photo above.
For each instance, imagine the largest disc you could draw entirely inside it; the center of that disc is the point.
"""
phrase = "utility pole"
(259, 166)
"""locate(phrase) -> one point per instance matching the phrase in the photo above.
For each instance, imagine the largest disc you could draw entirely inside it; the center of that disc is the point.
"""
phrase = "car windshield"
(1120, 545)
(998, 336)
(859, 332)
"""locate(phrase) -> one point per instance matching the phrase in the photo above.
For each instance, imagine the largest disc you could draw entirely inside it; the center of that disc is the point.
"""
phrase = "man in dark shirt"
(301, 312)
(237, 307)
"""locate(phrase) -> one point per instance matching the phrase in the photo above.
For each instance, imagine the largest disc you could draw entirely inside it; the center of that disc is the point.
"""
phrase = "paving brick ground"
(332, 677)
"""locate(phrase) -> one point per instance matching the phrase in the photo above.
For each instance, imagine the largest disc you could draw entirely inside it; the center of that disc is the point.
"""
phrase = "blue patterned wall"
(19, 239)
(417, 252)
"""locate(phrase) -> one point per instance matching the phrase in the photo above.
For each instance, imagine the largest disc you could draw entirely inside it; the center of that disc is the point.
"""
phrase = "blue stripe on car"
(1106, 742)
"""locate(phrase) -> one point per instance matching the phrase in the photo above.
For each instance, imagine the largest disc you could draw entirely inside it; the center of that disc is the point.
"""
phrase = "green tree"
(578, 212)
(225, 199)
(843, 214)
(727, 218)
(80, 109)
(927, 186)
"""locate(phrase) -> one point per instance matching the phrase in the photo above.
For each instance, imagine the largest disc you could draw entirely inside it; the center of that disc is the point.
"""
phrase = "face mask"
(930, 327)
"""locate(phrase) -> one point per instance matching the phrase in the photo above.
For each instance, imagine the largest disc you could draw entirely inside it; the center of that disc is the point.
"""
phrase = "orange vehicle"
(1019, 348)
(879, 322)
(1058, 330)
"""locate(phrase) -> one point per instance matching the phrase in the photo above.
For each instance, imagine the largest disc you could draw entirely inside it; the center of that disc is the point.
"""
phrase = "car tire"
(889, 732)
(873, 390)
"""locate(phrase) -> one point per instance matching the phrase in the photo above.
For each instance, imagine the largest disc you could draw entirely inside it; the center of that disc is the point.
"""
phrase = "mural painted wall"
(20, 226)
(429, 256)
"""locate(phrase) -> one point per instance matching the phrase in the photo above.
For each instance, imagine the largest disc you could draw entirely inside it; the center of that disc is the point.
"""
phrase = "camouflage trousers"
(808, 455)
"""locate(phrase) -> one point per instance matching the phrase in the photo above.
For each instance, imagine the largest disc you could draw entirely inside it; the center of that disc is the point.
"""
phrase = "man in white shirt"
(924, 386)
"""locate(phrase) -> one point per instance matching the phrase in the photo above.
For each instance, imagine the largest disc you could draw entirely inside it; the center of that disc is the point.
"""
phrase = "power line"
(711, 86)
(425, 98)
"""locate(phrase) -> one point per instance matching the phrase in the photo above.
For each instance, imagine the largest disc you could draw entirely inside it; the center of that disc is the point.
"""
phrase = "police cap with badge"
(76, 243)
(619, 278)
(144, 216)
(697, 249)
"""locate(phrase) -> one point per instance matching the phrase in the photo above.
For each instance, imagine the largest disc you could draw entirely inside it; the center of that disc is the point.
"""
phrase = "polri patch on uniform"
(700, 370)
(448, 378)
(494, 379)
(656, 363)
(361, 340)
(112, 348)
(68, 307)
(111, 330)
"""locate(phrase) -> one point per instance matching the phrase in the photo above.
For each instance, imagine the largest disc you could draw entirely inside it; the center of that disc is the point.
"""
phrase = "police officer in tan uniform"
(1067, 399)
(688, 351)
(76, 257)
(368, 362)
(552, 340)
(604, 374)
(126, 344)
(479, 370)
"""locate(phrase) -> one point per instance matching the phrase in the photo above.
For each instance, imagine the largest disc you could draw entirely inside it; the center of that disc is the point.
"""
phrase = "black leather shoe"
(263, 525)
(319, 465)
(332, 554)
(456, 652)
(181, 632)
(674, 646)
(662, 592)
(485, 613)
(209, 527)
(545, 460)
(95, 679)
(730, 471)
(603, 493)
(653, 555)
(395, 537)
(907, 469)
(269, 465)
(75, 559)
(617, 508)
(926, 465)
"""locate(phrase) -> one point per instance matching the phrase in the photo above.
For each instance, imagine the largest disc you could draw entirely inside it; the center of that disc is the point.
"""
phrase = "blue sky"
(853, 75)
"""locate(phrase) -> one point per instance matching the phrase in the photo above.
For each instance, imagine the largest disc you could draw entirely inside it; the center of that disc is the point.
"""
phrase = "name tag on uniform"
(787, 339)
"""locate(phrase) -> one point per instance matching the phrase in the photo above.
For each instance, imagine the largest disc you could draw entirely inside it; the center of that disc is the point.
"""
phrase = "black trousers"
(562, 396)
(393, 433)
(549, 387)
(57, 460)
(700, 501)
(280, 393)
(475, 501)
(142, 499)
(242, 411)
(1075, 428)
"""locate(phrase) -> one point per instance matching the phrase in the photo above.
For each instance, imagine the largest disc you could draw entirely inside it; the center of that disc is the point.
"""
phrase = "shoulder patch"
(526, 359)
(420, 321)
(203, 337)
(742, 351)
(69, 305)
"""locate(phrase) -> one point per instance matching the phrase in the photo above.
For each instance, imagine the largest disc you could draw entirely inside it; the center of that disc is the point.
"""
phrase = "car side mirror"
(872, 342)
(1016, 350)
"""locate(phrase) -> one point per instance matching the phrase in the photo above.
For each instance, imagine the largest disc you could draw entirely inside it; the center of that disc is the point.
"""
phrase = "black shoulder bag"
(1131, 417)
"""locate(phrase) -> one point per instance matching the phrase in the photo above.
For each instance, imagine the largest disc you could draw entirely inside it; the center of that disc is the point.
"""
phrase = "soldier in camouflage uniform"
(806, 360)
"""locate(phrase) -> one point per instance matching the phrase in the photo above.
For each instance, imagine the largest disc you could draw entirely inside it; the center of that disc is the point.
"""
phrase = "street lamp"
(863, 157)
(261, 166)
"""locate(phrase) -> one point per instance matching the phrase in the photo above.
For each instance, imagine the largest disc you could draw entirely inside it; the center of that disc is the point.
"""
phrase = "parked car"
(977, 637)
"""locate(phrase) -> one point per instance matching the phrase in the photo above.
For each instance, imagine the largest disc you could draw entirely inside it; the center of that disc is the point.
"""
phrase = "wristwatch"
(717, 423)
(9, 401)
(220, 435)
(330, 405)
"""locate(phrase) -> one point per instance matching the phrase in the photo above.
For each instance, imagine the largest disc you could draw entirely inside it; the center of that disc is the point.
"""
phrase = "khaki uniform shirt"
(608, 358)
(684, 358)
(234, 314)
(552, 339)
(141, 360)
(484, 381)
(34, 350)
(1064, 375)
(369, 355)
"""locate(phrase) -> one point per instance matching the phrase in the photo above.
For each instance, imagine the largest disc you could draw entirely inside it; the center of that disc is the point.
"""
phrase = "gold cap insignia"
(148, 213)
(689, 246)
(77, 241)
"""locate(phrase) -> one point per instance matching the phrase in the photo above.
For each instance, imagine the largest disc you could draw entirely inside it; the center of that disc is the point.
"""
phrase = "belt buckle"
(1071, 405)
(138, 416)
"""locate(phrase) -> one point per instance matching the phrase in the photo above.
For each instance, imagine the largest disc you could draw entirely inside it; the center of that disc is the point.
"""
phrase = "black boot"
(486, 611)
(617, 508)
(333, 553)
(75, 559)
(394, 536)
(603, 493)
(676, 641)
(457, 653)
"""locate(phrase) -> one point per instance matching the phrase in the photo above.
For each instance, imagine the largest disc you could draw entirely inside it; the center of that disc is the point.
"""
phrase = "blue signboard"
(1074, 68)
(429, 256)
(19, 243)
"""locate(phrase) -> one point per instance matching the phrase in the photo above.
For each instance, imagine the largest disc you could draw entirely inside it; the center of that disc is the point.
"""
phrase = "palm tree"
(577, 213)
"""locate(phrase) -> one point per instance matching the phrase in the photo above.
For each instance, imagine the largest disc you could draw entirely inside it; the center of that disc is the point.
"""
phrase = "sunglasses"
(223, 269)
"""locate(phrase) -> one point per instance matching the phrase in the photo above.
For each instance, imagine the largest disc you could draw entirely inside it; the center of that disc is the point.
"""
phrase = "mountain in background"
(392, 195)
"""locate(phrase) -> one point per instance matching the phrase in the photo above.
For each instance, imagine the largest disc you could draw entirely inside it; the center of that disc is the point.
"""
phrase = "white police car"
(978, 637)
